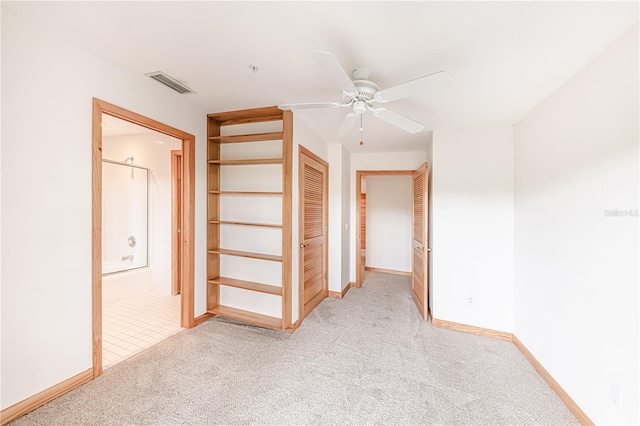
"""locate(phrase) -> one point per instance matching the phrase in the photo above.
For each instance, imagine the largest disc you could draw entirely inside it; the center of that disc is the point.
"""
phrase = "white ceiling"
(506, 56)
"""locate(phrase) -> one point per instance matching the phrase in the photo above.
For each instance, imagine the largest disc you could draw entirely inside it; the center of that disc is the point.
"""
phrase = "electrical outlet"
(615, 395)
(470, 300)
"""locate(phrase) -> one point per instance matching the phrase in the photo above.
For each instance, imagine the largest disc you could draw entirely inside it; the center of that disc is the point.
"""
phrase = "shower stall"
(125, 229)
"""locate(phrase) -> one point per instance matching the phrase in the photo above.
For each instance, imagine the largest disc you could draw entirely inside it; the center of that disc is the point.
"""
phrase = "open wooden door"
(420, 249)
(313, 231)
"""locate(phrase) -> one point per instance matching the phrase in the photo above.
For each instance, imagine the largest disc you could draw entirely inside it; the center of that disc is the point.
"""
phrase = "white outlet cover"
(615, 395)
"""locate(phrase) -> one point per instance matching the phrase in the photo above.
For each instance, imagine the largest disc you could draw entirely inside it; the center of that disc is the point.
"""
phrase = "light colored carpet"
(365, 359)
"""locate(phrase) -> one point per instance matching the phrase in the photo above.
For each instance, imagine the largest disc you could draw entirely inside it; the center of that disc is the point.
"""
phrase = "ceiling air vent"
(170, 82)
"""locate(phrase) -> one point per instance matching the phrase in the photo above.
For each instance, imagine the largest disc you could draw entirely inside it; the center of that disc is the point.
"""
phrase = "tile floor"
(137, 323)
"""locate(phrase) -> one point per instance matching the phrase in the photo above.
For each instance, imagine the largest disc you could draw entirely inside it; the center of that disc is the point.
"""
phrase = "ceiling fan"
(362, 95)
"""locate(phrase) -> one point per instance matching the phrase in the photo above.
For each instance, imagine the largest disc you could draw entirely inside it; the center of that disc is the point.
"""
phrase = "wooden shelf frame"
(247, 316)
(247, 162)
(233, 222)
(247, 285)
(246, 192)
(256, 137)
(247, 254)
(214, 195)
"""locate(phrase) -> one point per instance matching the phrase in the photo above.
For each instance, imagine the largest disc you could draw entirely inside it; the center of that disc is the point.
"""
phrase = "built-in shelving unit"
(249, 180)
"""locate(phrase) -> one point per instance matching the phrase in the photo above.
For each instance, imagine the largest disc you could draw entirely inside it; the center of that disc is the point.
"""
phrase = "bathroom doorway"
(135, 267)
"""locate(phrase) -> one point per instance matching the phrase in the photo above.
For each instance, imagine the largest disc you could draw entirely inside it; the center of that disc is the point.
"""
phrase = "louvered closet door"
(420, 255)
(313, 201)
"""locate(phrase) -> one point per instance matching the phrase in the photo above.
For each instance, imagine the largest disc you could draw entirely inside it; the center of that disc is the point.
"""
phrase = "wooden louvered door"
(420, 255)
(313, 231)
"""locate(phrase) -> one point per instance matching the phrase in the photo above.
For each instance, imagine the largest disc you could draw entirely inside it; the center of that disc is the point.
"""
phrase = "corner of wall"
(576, 250)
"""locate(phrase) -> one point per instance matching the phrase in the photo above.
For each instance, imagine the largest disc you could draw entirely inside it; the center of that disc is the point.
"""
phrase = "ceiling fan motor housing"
(366, 91)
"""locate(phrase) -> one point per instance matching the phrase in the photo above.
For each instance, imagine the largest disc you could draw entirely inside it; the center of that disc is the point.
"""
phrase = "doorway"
(363, 227)
(186, 240)
(417, 237)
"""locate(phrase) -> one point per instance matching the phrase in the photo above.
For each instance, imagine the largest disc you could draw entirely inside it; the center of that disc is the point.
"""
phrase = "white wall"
(430, 219)
(472, 199)
(335, 217)
(47, 91)
(339, 159)
(374, 161)
(576, 269)
(345, 218)
(389, 212)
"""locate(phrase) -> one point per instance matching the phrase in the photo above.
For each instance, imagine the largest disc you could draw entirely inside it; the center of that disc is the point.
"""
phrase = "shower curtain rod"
(125, 164)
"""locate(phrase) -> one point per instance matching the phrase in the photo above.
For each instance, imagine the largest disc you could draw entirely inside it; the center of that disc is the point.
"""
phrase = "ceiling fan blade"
(311, 105)
(438, 80)
(347, 124)
(331, 66)
(398, 120)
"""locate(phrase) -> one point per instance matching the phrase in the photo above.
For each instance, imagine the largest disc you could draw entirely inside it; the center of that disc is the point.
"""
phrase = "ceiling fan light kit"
(359, 107)
(362, 95)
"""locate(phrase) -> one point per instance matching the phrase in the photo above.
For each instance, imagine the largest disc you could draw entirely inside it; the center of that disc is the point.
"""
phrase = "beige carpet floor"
(365, 359)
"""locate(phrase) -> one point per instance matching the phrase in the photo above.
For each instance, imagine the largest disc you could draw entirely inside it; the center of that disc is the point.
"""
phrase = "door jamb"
(359, 175)
(304, 151)
(176, 206)
(188, 218)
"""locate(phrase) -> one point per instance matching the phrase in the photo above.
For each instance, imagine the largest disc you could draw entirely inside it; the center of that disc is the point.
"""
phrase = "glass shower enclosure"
(125, 217)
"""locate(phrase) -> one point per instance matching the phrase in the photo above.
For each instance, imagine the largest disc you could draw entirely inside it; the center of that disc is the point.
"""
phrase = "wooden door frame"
(176, 205)
(304, 151)
(188, 217)
(359, 175)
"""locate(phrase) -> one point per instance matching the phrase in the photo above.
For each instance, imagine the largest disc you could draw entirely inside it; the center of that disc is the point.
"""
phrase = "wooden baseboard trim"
(338, 294)
(555, 386)
(293, 327)
(472, 329)
(564, 396)
(23, 407)
(387, 271)
(201, 318)
(346, 289)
